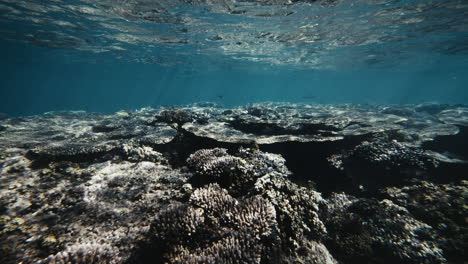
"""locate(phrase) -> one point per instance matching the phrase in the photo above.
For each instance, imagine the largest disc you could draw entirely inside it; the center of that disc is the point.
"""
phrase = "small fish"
(309, 97)
(221, 97)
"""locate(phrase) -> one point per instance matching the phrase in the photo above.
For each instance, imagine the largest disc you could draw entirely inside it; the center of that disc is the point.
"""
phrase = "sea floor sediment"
(262, 183)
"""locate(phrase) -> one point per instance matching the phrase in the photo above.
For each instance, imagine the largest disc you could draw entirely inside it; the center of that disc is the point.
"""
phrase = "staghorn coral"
(213, 200)
(392, 154)
(383, 160)
(176, 220)
(200, 157)
(216, 228)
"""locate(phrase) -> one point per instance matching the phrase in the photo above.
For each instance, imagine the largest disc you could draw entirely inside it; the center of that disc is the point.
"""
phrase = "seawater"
(93, 56)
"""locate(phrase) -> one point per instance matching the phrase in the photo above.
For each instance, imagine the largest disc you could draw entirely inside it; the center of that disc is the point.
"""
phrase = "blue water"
(373, 52)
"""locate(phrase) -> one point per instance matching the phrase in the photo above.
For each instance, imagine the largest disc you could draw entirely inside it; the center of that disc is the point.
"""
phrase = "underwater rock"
(55, 129)
(400, 110)
(74, 137)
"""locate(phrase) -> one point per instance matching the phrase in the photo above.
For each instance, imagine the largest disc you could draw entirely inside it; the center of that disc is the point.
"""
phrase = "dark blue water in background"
(36, 78)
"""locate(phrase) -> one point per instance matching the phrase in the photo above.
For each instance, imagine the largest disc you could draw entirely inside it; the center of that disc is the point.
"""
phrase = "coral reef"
(298, 217)
(266, 183)
(296, 207)
(65, 204)
(215, 165)
(379, 231)
(271, 123)
(236, 172)
(443, 207)
(217, 228)
(84, 254)
(174, 116)
(377, 163)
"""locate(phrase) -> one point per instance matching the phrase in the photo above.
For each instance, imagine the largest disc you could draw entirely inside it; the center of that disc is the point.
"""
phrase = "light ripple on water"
(304, 34)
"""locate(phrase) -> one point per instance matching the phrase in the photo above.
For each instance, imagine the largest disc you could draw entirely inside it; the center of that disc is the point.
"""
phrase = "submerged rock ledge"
(264, 183)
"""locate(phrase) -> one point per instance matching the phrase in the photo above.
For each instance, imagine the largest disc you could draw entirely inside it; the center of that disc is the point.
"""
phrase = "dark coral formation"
(179, 117)
(408, 225)
(443, 207)
(395, 235)
(268, 183)
(377, 163)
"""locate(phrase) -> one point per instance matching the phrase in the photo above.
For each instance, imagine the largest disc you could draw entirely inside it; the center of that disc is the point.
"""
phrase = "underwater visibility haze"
(234, 131)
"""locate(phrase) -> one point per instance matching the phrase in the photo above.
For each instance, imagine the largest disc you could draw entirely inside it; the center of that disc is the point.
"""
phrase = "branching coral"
(216, 165)
(261, 175)
(216, 228)
(238, 173)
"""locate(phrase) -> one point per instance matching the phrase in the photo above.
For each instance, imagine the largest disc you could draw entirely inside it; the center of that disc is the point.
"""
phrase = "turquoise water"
(110, 55)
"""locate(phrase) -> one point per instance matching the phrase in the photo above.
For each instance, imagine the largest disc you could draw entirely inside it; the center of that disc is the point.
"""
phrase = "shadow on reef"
(456, 145)
(365, 163)
(309, 163)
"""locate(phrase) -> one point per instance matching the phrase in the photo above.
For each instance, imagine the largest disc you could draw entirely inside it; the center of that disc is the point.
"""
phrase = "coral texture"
(216, 228)
(216, 165)
(84, 254)
(379, 230)
(174, 116)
